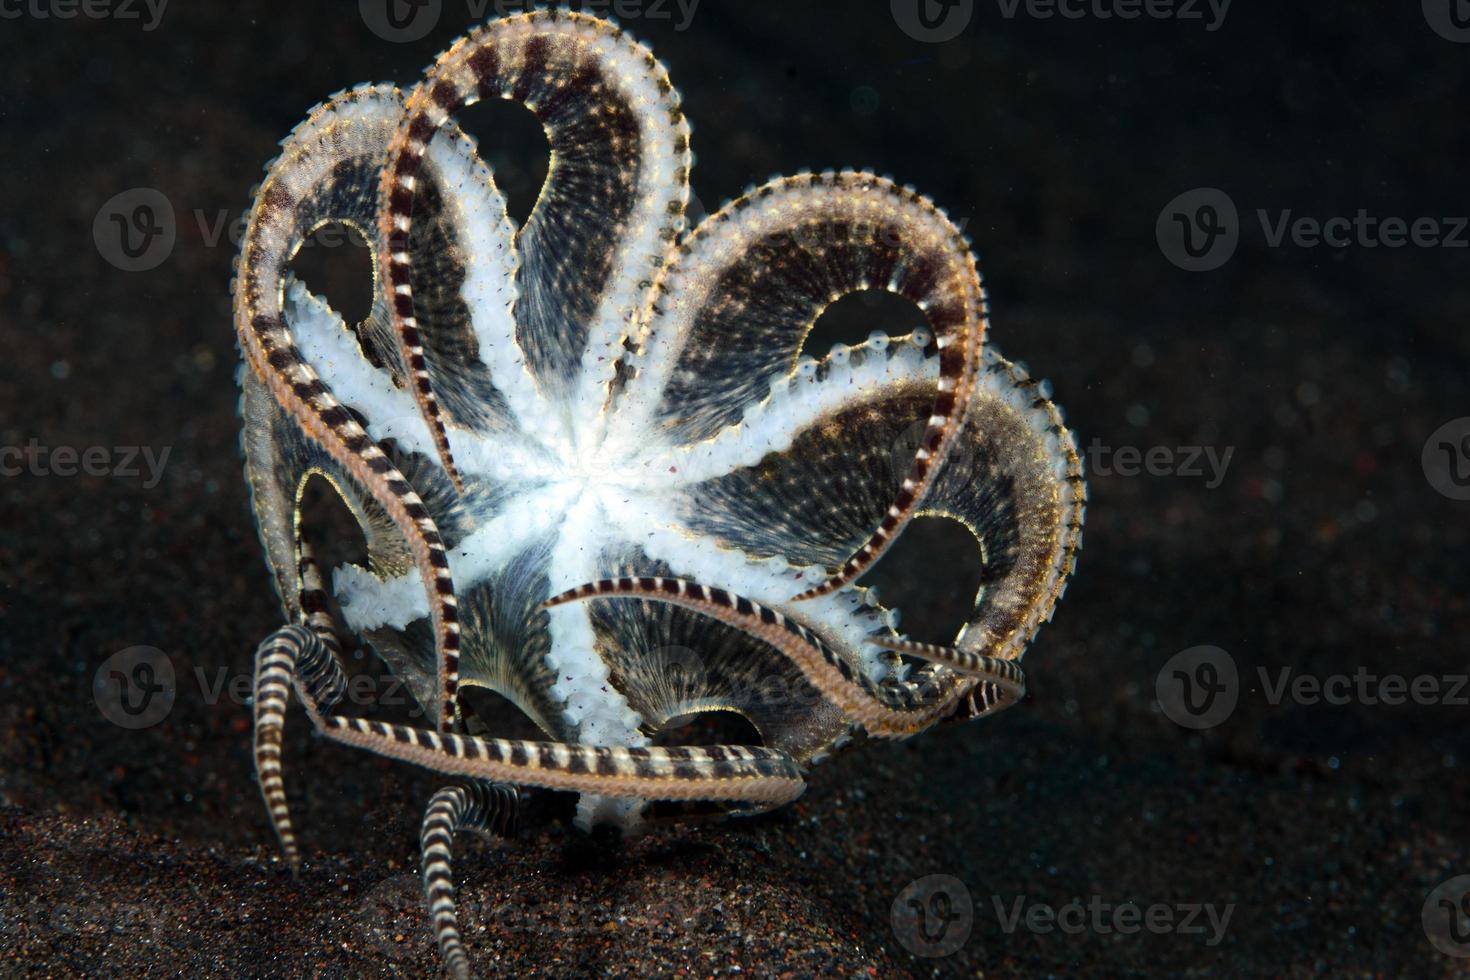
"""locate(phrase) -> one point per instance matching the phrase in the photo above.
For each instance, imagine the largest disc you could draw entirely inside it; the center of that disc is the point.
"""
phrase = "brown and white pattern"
(595, 475)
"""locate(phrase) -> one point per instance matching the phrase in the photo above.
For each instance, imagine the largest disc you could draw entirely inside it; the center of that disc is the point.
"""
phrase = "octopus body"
(594, 472)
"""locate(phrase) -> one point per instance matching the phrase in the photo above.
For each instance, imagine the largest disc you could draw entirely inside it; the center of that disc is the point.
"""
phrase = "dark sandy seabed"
(1323, 548)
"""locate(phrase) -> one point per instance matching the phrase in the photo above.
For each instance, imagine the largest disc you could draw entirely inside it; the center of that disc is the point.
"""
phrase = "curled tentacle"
(1002, 683)
(477, 806)
(737, 773)
(607, 216)
(297, 196)
(293, 655)
(750, 282)
(893, 710)
(1015, 482)
(1005, 673)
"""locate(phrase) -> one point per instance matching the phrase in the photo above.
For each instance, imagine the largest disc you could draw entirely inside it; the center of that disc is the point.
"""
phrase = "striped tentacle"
(748, 285)
(892, 710)
(478, 806)
(1013, 415)
(608, 214)
(1015, 483)
(272, 237)
(955, 306)
(715, 772)
(1005, 678)
(293, 655)
(318, 665)
(1058, 445)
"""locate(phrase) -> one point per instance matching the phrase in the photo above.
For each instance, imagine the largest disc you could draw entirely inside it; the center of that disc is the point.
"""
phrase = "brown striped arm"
(962, 661)
(999, 683)
(297, 196)
(486, 808)
(734, 773)
(673, 664)
(306, 657)
(1014, 480)
(607, 215)
(895, 709)
(746, 287)
(755, 776)
(293, 656)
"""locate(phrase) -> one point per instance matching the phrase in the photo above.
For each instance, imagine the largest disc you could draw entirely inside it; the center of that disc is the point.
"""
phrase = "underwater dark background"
(1333, 543)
